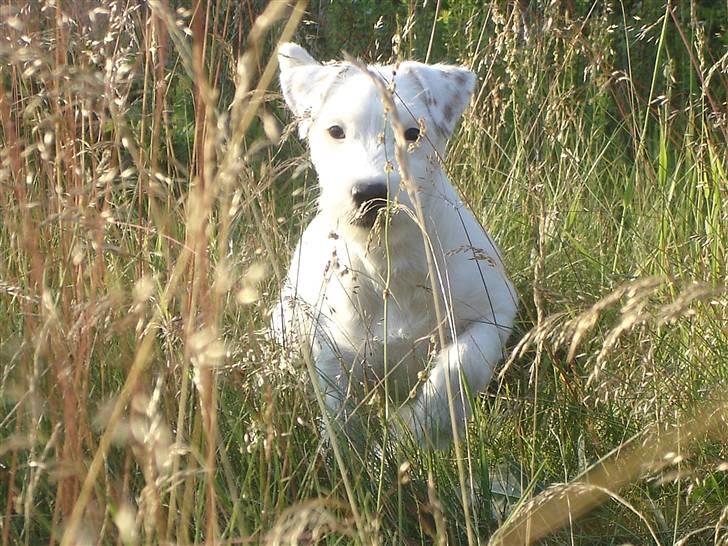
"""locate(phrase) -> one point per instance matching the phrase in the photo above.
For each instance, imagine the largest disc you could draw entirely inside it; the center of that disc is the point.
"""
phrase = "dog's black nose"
(368, 198)
(375, 193)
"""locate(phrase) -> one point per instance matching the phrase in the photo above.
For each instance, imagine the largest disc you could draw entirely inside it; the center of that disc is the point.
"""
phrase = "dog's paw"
(406, 426)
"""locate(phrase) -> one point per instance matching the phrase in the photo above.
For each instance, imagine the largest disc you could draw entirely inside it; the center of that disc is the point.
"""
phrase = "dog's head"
(339, 110)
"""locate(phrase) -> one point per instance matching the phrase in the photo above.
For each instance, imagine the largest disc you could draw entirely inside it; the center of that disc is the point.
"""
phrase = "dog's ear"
(304, 82)
(447, 90)
(291, 55)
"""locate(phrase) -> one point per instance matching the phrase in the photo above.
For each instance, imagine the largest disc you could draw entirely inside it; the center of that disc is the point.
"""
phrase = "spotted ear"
(447, 90)
(304, 82)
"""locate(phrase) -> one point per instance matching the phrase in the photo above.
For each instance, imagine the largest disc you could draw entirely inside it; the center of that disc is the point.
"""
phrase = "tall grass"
(151, 192)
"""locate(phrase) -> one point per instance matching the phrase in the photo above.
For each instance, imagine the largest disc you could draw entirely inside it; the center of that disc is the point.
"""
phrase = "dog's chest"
(380, 313)
(401, 309)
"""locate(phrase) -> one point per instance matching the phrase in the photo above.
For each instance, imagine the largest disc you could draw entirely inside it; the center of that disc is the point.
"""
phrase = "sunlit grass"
(150, 195)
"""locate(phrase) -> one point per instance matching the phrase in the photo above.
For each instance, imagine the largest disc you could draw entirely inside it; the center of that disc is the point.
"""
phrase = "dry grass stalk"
(559, 505)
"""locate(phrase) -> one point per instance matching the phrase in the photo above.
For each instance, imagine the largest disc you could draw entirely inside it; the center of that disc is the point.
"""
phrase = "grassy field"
(151, 191)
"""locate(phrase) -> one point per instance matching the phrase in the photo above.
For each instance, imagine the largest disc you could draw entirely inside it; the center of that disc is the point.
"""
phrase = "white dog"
(362, 294)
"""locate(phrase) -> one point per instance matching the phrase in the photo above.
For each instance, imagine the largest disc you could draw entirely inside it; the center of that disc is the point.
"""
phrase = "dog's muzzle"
(369, 198)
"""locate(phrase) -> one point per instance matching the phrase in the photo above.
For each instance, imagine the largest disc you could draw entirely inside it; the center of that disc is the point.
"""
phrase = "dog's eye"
(412, 134)
(336, 132)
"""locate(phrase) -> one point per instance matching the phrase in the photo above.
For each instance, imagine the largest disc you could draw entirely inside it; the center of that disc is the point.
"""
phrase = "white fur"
(333, 300)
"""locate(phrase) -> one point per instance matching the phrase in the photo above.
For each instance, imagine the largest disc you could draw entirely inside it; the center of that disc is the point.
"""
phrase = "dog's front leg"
(467, 363)
(334, 376)
(332, 381)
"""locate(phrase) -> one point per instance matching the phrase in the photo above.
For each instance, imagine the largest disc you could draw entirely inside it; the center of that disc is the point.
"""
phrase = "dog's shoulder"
(318, 243)
(317, 255)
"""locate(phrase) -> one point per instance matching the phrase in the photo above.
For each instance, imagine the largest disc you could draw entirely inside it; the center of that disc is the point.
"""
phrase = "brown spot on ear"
(448, 112)
(299, 89)
(461, 78)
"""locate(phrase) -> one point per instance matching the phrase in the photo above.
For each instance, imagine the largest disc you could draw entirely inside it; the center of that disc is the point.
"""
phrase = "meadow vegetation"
(152, 189)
